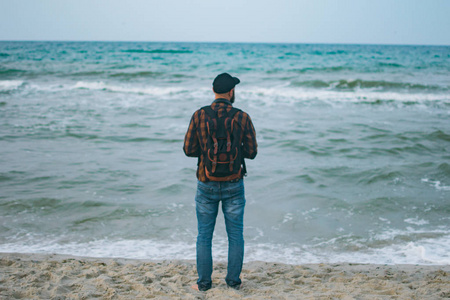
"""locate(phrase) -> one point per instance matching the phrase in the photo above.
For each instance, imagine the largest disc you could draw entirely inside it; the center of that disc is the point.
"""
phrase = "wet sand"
(38, 276)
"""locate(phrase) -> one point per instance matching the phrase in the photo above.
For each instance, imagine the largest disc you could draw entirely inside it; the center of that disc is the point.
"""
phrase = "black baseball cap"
(224, 83)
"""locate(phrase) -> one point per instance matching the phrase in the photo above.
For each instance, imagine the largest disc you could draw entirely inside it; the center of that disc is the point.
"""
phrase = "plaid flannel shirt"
(196, 135)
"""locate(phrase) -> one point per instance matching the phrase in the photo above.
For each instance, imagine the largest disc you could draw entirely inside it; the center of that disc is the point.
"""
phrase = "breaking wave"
(344, 84)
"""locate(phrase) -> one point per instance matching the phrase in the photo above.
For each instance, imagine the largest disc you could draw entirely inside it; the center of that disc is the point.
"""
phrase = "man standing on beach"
(215, 185)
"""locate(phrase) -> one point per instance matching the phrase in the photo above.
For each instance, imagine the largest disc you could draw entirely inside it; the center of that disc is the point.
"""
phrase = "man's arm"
(250, 145)
(191, 144)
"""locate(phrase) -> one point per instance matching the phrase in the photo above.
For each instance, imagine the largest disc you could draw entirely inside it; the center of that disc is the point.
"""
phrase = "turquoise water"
(353, 160)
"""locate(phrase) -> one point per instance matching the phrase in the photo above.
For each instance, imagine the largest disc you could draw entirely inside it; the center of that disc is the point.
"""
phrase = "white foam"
(426, 251)
(157, 91)
(269, 96)
(384, 220)
(10, 85)
(287, 217)
(393, 234)
(437, 184)
(416, 221)
(137, 249)
(282, 94)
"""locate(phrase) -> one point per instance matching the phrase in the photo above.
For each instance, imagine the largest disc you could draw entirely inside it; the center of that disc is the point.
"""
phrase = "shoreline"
(49, 276)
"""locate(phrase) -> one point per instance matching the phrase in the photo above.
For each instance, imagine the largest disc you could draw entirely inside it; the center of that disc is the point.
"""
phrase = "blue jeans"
(207, 199)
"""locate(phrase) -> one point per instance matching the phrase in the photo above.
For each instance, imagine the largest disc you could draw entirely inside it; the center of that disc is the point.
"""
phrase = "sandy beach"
(38, 276)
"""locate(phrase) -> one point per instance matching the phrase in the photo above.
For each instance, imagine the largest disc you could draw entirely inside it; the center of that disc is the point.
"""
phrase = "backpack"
(223, 156)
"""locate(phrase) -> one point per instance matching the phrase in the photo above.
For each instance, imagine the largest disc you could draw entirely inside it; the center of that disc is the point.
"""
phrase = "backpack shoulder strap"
(209, 111)
(233, 111)
(213, 114)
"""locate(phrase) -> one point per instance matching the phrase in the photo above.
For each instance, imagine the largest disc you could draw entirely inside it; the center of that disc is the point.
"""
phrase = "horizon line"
(228, 42)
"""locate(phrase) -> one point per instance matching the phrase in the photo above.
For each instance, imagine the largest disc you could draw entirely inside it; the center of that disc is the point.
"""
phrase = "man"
(213, 190)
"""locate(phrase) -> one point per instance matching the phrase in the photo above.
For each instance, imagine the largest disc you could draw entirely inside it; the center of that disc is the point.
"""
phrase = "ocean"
(353, 162)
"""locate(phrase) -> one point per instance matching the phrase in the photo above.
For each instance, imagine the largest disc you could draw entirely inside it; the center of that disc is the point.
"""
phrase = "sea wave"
(125, 75)
(100, 85)
(423, 251)
(349, 84)
(10, 85)
(131, 75)
(393, 65)
(267, 96)
(9, 72)
(324, 70)
(148, 74)
(158, 51)
(437, 184)
(293, 95)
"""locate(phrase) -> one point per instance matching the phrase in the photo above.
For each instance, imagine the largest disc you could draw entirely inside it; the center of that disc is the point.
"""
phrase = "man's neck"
(222, 97)
(224, 100)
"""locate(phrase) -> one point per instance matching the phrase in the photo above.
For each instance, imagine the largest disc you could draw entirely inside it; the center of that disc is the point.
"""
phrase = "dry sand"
(36, 276)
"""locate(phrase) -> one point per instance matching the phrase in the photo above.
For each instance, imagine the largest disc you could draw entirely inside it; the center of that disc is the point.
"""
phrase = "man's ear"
(231, 92)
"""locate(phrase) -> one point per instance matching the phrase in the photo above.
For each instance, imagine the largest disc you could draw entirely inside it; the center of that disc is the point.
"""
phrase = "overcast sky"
(291, 21)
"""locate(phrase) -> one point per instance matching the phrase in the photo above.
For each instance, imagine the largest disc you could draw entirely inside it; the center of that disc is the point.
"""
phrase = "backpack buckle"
(214, 164)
